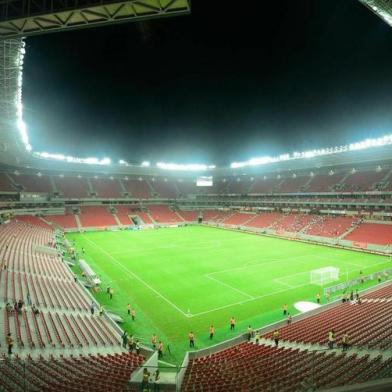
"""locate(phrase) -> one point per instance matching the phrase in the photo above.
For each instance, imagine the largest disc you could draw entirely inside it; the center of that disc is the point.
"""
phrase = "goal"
(324, 275)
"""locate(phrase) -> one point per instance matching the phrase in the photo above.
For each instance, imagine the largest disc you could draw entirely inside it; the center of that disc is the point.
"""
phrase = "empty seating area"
(214, 215)
(72, 187)
(64, 319)
(187, 188)
(238, 219)
(67, 221)
(329, 226)
(163, 214)
(324, 182)
(5, 184)
(268, 185)
(82, 186)
(373, 233)
(292, 222)
(100, 373)
(239, 186)
(165, 188)
(251, 367)
(33, 183)
(188, 216)
(33, 220)
(137, 188)
(293, 184)
(123, 212)
(363, 180)
(264, 220)
(106, 187)
(96, 216)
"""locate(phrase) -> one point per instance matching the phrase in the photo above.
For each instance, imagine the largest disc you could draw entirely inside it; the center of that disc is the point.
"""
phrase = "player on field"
(318, 298)
(191, 338)
(129, 307)
(212, 331)
(133, 314)
(232, 324)
(285, 309)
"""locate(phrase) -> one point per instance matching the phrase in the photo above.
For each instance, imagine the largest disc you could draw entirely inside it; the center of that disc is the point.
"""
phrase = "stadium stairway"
(77, 218)
(117, 220)
(349, 230)
(180, 218)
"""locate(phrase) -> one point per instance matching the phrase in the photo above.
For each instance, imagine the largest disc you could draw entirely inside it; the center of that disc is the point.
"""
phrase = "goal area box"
(323, 276)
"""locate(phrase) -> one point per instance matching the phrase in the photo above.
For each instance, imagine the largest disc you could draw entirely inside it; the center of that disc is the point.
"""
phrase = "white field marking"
(251, 264)
(229, 286)
(138, 278)
(247, 300)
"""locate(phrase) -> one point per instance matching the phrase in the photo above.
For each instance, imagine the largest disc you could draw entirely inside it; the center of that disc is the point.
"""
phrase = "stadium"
(267, 274)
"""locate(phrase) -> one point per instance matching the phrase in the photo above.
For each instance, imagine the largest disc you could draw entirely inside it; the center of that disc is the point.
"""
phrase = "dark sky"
(217, 86)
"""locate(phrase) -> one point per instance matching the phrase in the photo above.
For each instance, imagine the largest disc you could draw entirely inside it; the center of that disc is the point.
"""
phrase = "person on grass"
(129, 308)
(285, 309)
(133, 314)
(318, 298)
(212, 331)
(191, 338)
(232, 324)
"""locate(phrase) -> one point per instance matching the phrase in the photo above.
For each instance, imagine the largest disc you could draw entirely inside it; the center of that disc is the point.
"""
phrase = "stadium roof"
(21, 18)
(382, 8)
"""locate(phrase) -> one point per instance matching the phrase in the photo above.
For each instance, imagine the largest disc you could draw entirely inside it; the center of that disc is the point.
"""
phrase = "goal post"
(323, 276)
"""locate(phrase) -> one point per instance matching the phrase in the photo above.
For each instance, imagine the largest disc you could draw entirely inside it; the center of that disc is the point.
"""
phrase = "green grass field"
(182, 279)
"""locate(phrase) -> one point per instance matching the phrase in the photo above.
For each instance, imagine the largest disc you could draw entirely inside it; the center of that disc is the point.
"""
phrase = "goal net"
(324, 275)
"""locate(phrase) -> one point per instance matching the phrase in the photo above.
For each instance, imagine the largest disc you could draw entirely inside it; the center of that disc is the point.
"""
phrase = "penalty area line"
(138, 278)
(229, 286)
(246, 300)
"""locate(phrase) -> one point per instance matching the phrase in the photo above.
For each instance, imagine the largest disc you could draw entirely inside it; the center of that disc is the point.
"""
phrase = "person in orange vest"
(191, 337)
(212, 331)
(154, 341)
(276, 336)
(232, 324)
(10, 343)
(160, 350)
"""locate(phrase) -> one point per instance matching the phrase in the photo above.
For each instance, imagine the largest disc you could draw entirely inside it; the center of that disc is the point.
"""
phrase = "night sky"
(216, 86)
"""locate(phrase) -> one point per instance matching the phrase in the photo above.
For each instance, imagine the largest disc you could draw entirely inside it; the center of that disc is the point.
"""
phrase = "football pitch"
(187, 278)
